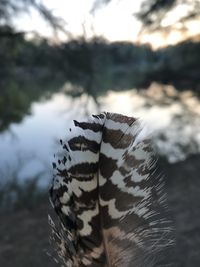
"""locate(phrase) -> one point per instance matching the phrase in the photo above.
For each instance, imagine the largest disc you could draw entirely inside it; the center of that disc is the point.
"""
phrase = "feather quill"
(109, 197)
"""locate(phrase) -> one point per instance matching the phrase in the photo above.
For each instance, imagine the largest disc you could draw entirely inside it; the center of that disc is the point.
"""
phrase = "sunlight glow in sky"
(115, 22)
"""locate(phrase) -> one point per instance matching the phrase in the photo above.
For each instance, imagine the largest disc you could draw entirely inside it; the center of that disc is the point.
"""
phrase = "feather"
(109, 196)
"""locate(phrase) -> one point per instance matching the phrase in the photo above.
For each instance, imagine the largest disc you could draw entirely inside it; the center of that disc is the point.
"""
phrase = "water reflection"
(29, 146)
(173, 117)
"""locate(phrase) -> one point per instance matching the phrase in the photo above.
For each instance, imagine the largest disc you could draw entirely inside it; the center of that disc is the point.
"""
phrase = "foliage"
(9, 9)
(153, 12)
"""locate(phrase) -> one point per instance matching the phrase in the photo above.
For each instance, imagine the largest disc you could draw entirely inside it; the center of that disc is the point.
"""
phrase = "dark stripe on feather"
(106, 165)
(116, 138)
(83, 144)
(88, 126)
(119, 118)
(83, 168)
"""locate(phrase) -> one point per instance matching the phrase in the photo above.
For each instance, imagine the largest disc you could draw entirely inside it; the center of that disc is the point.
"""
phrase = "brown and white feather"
(109, 196)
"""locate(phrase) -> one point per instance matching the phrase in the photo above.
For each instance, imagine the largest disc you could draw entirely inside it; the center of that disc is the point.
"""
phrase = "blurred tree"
(9, 9)
(153, 12)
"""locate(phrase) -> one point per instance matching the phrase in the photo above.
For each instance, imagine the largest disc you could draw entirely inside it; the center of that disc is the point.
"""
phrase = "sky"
(114, 21)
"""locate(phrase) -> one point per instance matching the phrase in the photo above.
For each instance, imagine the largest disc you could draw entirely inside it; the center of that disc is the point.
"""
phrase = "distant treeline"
(30, 69)
(98, 65)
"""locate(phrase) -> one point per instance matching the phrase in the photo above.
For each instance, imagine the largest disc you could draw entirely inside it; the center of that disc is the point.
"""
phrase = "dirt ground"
(183, 185)
(24, 239)
(24, 234)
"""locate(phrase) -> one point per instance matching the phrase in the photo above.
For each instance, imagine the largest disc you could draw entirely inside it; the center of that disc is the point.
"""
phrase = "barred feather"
(109, 197)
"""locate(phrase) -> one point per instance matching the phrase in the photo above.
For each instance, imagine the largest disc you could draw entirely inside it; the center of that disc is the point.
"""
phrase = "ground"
(183, 185)
(24, 238)
(24, 233)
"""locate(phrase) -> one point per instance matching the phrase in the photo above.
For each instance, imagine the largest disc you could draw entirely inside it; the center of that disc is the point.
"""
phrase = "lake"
(27, 147)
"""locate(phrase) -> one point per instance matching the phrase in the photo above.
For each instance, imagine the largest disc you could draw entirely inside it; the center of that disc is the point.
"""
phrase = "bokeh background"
(66, 59)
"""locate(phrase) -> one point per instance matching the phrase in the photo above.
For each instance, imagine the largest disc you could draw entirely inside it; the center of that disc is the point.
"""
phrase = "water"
(27, 148)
